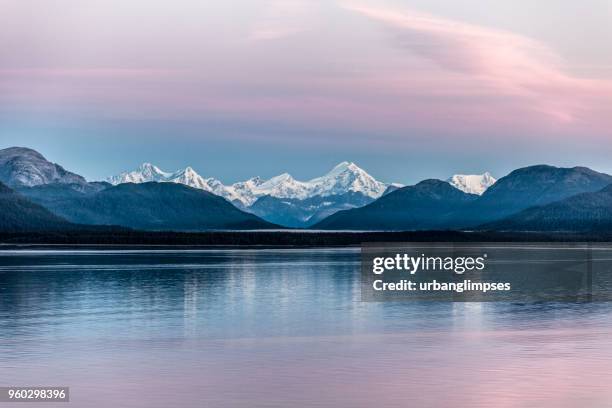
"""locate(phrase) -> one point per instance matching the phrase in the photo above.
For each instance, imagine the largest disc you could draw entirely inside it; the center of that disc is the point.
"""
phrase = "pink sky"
(390, 69)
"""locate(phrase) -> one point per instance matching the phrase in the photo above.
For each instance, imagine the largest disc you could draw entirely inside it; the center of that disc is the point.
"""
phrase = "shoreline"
(265, 239)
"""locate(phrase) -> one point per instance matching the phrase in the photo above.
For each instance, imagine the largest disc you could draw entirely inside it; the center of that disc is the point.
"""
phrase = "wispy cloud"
(91, 73)
(512, 65)
(282, 18)
(304, 62)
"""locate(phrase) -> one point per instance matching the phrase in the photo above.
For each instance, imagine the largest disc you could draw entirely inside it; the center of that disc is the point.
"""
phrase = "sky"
(407, 89)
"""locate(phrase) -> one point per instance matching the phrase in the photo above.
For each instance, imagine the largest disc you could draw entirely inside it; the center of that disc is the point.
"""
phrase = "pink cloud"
(506, 63)
(440, 75)
(282, 18)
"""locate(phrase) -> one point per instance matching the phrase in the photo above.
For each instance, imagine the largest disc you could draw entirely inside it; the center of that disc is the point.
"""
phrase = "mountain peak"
(146, 172)
(283, 177)
(428, 183)
(344, 167)
(543, 171)
(472, 183)
(21, 166)
(343, 178)
(150, 169)
(21, 151)
(187, 172)
(148, 166)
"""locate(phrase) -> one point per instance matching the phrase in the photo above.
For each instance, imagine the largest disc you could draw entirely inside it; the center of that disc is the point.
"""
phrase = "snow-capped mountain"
(145, 173)
(472, 183)
(282, 186)
(23, 167)
(345, 177)
(148, 172)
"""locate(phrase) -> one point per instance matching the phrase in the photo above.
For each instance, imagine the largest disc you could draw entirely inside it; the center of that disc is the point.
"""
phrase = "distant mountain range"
(345, 177)
(280, 199)
(47, 197)
(289, 202)
(430, 205)
(38, 194)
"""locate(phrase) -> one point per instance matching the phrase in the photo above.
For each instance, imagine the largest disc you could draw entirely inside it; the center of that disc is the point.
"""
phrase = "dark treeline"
(275, 238)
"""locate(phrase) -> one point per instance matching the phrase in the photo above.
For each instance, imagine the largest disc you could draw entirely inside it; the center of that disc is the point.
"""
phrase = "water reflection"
(281, 328)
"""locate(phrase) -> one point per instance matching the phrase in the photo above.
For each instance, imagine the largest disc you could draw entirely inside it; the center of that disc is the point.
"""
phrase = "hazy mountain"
(531, 186)
(472, 183)
(580, 213)
(293, 212)
(344, 178)
(18, 214)
(20, 166)
(149, 206)
(427, 205)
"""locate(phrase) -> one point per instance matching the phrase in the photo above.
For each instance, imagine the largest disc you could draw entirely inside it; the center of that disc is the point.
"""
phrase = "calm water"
(281, 328)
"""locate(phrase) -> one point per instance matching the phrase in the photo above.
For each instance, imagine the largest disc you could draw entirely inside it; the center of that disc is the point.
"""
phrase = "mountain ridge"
(421, 207)
(425, 205)
(343, 178)
(150, 206)
(22, 166)
(346, 197)
(584, 212)
(532, 186)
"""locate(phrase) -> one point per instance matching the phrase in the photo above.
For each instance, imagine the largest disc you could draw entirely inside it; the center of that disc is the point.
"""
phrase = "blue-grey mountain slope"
(586, 212)
(528, 187)
(429, 204)
(149, 206)
(18, 214)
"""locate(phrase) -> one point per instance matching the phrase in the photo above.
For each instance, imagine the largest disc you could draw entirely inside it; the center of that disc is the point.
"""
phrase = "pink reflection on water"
(530, 368)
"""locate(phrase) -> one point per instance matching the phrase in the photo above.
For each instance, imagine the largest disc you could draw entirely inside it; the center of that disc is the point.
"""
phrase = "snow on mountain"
(145, 173)
(345, 177)
(244, 191)
(283, 186)
(189, 177)
(472, 183)
(20, 166)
